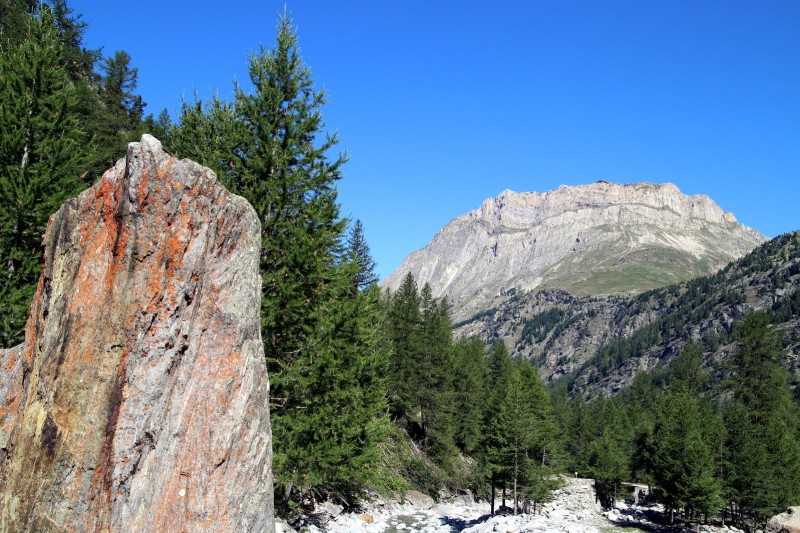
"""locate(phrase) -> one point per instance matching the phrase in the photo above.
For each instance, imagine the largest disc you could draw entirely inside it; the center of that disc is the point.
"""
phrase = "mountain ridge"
(601, 238)
(598, 344)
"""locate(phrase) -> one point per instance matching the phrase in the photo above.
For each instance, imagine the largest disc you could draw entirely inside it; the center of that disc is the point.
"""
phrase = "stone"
(139, 399)
(11, 393)
(331, 509)
(602, 238)
(419, 500)
(788, 522)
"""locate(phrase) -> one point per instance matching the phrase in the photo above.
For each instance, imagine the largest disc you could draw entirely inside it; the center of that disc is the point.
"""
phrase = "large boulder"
(139, 400)
(788, 522)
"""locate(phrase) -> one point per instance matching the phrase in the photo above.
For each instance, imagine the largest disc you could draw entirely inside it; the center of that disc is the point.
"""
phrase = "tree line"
(726, 451)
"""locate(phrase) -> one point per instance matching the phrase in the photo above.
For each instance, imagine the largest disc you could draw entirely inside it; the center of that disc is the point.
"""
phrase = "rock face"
(788, 522)
(138, 401)
(602, 238)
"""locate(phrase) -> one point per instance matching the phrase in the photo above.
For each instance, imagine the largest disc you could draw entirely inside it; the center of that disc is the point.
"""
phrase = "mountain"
(598, 344)
(597, 239)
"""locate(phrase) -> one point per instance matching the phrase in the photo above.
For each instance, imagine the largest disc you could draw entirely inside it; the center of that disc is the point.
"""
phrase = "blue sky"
(443, 104)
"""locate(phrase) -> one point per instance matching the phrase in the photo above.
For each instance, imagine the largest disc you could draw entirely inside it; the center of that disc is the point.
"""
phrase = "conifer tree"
(119, 119)
(642, 401)
(762, 476)
(683, 467)
(358, 252)
(43, 153)
(530, 436)
(608, 458)
(469, 389)
(404, 322)
(496, 444)
(14, 16)
(608, 466)
(331, 431)
(281, 165)
(434, 376)
(320, 332)
(209, 134)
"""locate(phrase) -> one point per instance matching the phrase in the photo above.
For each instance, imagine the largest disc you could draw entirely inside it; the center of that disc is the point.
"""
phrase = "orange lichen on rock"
(144, 406)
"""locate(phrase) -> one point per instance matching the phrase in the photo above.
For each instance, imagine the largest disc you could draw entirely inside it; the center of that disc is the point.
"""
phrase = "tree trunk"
(515, 495)
(492, 494)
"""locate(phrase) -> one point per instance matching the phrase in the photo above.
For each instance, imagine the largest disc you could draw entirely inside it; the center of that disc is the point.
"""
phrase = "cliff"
(596, 239)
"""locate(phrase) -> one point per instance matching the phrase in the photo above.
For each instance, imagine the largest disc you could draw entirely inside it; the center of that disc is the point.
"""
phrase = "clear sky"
(443, 104)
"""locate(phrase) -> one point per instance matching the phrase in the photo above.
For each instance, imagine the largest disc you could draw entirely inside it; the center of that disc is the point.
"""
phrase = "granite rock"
(139, 399)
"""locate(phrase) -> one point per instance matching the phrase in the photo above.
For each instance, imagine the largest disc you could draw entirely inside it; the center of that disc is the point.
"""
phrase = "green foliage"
(469, 389)
(43, 153)
(521, 446)
(321, 319)
(539, 325)
(118, 119)
(683, 464)
(421, 390)
(335, 414)
(608, 465)
(14, 16)
(762, 474)
(403, 330)
(358, 252)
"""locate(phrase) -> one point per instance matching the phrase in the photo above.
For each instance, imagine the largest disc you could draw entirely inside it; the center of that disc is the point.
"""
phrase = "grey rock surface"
(144, 390)
(788, 522)
(602, 238)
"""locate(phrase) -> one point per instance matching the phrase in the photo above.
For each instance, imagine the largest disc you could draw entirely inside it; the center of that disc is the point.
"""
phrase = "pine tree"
(325, 357)
(43, 153)
(404, 323)
(209, 134)
(331, 432)
(763, 466)
(469, 389)
(159, 127)
(608, 453)
(14, 16)
(608, 466)
(535, 437)
(433, 378)
(359, 253)
(281, 165)
(119, 120)
(642, 401)
(497, 445)
(78, 61)
(684, 468)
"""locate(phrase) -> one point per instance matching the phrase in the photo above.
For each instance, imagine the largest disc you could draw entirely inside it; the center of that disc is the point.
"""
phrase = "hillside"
(597, 239)
(598, 344)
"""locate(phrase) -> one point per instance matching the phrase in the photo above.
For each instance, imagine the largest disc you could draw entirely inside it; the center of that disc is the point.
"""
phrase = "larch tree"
(357, 250)
(119, 119)
(434, 378)
(762, 474)
(403, 330)
(325, 350)
(43, 154)
(469, 390)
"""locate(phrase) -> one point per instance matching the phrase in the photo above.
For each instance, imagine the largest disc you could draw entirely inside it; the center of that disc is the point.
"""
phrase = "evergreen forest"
(371, 392)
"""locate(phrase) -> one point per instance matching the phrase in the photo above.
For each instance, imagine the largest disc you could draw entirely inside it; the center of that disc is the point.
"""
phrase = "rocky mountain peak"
(601, 238)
